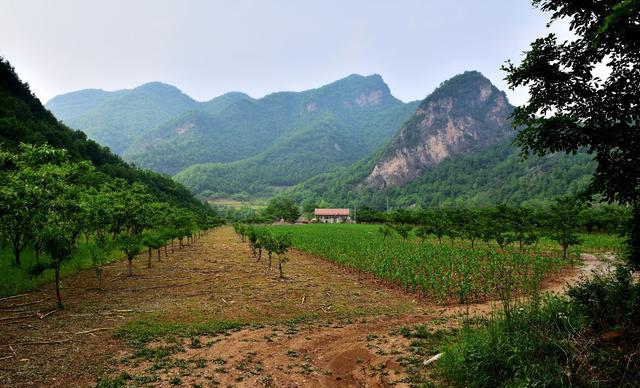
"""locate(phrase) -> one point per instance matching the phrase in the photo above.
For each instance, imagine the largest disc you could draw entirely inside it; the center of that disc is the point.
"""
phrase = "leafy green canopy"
(573, 108)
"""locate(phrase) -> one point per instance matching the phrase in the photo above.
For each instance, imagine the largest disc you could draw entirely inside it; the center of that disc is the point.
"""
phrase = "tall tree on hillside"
(572, 107)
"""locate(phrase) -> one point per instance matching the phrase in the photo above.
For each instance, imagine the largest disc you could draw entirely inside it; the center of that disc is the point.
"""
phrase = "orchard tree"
(386, 230)
(28, 183)
(576, 105)
(99, 252)
(132, 217)
(403, 230)
(59, 245)
(564, 224)
(282, 245)
(131, 246)
(153, 239)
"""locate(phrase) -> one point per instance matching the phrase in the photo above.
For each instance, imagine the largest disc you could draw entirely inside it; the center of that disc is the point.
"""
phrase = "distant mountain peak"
(352, 92)
(157, 87)
(464, 114)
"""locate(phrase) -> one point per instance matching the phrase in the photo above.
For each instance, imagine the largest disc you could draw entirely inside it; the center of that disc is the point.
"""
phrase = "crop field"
(445, 271)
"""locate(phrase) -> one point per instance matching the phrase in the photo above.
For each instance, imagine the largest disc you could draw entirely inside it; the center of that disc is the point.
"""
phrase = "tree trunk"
(17, 249)
(159, 254)
(259, 254)
(149, 262)
(269, 260)
(165, 249)
(172, 246)
(57, 272)
(130, 259)
(564, 252)
(280, 268)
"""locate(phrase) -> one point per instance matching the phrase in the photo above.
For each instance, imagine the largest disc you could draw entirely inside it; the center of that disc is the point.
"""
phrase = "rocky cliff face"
(464, 115)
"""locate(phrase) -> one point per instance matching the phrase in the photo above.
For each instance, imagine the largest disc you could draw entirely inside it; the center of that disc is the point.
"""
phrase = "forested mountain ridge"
(466, 114)
(320, 146)
(116, 119)
(23, 119)
(238, 145)
(454, 151)
(247, 127)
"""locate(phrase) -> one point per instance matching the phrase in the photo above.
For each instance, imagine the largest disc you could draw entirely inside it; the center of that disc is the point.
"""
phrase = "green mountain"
(455, 150)
(24, 119)
(318, 146)
(346, 142)
(237, 145)
(116, 119)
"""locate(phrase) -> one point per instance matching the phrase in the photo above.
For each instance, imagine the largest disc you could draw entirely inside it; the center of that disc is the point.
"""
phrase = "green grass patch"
(534, 347)
(145, 330)
(17, 279)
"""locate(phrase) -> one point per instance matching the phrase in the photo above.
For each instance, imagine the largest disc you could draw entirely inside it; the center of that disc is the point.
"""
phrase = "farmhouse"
(330, 216)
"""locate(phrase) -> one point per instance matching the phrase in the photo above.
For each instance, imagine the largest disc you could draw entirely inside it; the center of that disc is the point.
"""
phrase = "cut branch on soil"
(94, 330)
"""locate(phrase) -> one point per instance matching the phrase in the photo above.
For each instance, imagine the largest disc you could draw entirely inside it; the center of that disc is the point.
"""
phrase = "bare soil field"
(210, 315)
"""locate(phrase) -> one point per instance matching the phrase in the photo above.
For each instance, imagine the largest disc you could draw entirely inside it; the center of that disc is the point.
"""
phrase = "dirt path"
(321, 326)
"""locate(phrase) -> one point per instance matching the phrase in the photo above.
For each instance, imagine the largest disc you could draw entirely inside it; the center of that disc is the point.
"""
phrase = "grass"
(145, 330)
(530, 347)
(17, 279)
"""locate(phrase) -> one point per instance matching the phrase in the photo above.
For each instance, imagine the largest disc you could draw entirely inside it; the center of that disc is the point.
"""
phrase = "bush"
(586, 339)
(533, 348)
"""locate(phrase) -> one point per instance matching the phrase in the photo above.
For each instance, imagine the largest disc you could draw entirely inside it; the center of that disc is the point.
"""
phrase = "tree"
(403, 230)
(572, 108)
(130, 244)
(253, 235)
(386, 230)
(282, 245)
(153, 239)
(59, 244)
(282, 208)
(99, 252)
(29, 181)
(564, 224)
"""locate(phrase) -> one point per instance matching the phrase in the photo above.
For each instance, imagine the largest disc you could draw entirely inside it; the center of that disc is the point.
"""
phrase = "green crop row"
(448, 273)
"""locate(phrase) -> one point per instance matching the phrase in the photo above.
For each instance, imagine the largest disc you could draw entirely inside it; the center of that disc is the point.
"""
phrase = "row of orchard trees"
(260, 239)
(51, 203)
(505, 225)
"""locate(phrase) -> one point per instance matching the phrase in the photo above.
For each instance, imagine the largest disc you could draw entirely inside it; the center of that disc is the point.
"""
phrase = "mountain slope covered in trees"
(237, 145)
(454, 151)
(116, 119)
(23, 119)
(347, 140)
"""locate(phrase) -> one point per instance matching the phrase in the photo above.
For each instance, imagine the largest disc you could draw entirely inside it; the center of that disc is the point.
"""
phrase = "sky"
(208, 48)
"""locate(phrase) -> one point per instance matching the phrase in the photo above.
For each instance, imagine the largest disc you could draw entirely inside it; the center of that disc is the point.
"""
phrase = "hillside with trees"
(318, 130)
(454, 151)
(23, 119)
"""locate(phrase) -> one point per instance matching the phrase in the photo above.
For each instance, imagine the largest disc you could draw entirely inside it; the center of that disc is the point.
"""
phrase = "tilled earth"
(322, 325)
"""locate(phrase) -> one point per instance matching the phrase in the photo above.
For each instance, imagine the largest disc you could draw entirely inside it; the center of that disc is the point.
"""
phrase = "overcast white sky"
(207, 48)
